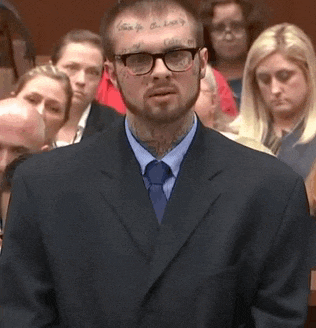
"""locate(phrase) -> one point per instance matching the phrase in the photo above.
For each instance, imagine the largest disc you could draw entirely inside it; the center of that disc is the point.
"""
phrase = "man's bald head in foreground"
(22, 130)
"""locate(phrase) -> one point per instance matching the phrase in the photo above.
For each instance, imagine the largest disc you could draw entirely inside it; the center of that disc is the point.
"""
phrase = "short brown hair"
(52, 72)
(76, 36)
(142, 7)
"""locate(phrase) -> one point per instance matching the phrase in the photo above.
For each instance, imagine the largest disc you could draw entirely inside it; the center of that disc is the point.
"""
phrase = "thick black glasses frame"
(124, 57)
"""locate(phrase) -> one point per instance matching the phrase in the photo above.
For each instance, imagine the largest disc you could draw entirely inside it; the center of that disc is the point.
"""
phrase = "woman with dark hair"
(17, 51)
(230, 27)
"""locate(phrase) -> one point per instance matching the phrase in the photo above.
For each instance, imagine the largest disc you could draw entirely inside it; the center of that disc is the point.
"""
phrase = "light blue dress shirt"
(174, 158)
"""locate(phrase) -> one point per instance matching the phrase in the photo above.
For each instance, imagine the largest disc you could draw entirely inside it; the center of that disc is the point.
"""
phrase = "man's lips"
(161, 92)
(79, 93)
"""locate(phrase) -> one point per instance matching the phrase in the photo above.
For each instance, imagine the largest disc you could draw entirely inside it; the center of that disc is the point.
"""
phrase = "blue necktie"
(157, 173)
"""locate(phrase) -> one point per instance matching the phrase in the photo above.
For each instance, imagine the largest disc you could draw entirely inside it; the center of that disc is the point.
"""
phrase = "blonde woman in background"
(209, 111)
(49, 91)
(278, 104)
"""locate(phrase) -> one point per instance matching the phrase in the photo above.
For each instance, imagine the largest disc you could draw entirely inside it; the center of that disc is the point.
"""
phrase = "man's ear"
(109, 67)
(203, 62)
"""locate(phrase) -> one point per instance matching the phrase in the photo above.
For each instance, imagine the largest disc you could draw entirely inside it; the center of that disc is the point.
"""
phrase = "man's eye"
(54, 109)
(71, 68)
(218, 27)
(237, 26)
(31, 100)
(94, 72)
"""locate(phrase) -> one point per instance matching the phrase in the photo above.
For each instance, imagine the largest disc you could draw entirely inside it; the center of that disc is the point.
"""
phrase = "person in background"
(22, 131)
(231, 26)
(49, 91)
(208, 110)
(108, 95)
(17, 51)
(158, 221)
(80, 55)
(208, 107)
(278, 104)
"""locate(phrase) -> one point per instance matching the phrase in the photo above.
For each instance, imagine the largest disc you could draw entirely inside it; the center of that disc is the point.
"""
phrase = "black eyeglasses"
(178, 60)
(236, 28)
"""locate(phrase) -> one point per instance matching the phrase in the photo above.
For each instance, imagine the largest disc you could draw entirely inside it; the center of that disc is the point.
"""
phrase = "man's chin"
(80, 103)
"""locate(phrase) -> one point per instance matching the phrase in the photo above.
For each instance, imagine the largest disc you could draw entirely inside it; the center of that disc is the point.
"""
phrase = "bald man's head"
(22, 130)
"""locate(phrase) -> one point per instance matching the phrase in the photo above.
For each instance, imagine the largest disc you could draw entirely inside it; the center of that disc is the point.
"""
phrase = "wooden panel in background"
(48, 20)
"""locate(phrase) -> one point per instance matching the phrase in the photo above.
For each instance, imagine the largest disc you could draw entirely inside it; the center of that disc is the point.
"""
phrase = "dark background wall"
(48, 20)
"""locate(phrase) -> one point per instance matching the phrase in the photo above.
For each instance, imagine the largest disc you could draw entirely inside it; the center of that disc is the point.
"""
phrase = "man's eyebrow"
(33, 93)
(71, 62)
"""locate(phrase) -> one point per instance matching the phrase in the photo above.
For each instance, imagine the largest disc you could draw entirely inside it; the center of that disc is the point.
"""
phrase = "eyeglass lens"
(177, 61)
(236, 28)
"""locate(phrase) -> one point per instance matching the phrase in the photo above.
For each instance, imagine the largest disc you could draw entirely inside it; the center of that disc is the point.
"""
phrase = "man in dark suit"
(158, 222)
(80, 55)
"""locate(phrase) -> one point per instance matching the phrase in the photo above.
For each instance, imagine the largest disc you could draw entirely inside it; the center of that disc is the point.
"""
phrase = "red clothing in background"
(108, 95)
(228, 104)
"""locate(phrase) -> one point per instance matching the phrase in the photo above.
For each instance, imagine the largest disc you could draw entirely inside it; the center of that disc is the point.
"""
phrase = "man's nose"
(160, 69)
(81, 77)
(228, 34)
(41, 108)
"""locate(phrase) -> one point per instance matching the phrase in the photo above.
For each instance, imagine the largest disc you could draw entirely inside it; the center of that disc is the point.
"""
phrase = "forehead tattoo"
(127, 25)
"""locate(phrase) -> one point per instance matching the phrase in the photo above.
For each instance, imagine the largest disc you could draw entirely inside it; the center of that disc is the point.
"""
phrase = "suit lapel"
(197, 188)
(121, 185)
(92, 122)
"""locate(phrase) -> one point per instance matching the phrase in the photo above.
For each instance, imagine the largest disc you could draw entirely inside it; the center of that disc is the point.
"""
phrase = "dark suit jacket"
(100, 117)
(82, 246)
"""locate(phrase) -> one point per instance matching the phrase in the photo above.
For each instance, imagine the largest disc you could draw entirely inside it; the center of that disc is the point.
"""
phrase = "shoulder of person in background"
(227, 102)
(108, 95)
(10, 169)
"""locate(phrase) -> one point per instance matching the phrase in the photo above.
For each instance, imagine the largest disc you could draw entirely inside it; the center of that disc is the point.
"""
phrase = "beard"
(163, 113)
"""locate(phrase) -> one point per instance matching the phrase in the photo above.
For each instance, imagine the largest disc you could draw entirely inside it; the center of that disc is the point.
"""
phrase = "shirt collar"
(80, 129)
(173, 158)
(83, 119)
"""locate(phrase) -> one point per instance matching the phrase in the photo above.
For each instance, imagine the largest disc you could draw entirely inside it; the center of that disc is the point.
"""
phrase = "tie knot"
(157, 172)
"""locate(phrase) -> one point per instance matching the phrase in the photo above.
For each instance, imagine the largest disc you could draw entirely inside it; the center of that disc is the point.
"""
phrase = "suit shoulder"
(63, 160)
(104, 111)
(248, 159)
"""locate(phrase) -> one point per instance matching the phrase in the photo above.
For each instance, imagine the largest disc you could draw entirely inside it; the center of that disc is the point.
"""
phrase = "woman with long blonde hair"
(278, 104)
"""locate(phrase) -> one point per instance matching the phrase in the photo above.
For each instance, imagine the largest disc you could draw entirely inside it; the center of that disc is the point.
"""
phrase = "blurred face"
(207, 104)
(48, 96)
(228, 32)
(83, 63)
(159, 95)
(282, 85)
(15, 141)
